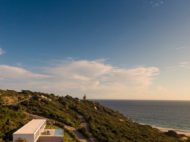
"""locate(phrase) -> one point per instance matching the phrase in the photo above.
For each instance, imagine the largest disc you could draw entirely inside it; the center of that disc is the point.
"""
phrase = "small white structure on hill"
(31, 131)
(34, 131)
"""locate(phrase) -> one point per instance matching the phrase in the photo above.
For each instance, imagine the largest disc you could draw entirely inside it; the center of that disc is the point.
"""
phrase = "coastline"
(146, 103)
(165, 129)
(178, 131)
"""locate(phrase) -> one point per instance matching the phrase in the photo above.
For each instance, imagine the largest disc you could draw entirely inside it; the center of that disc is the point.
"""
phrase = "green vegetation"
(11, 118)
(11, 97)
(109, 126)
(104, 124)
(49, 107)
(84, 132)
(69, 137)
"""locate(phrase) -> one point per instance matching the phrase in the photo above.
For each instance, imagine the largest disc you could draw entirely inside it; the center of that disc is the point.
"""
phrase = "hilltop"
(81, 119)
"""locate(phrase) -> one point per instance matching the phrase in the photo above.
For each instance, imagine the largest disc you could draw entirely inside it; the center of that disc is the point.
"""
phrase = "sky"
(106, 49)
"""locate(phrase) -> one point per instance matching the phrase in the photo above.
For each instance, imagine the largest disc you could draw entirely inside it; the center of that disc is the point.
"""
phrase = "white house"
(34, 131)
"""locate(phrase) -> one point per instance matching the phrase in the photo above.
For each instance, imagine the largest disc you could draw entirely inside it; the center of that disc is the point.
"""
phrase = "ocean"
(174, 115)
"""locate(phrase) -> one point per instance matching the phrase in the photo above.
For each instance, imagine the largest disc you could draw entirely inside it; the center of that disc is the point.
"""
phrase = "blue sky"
(125, 35)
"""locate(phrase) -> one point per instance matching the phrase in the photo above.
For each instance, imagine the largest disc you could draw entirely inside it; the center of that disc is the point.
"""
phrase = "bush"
(84, 132)
(171, 133)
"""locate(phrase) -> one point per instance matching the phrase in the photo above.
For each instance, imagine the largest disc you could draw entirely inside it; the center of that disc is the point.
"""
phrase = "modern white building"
(34, 131)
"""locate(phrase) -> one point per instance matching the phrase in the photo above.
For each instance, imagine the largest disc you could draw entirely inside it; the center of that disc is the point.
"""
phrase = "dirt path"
(16, 103)
(85, 125)
(77, 133)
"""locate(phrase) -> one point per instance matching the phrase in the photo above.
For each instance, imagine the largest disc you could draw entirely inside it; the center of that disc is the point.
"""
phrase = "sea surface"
(173, 115)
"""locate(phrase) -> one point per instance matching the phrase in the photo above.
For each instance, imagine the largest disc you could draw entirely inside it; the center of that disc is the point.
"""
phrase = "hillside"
(89, 119)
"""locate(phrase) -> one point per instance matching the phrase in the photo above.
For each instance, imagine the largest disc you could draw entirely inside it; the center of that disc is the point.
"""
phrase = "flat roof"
(31, 127)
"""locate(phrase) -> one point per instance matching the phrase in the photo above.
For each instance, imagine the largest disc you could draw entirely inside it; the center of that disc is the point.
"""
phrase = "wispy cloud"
(2, 51)
(184, 64)
(12, 72)
(156, 3)
(181, 48)
(180, 65)
(96, 77)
